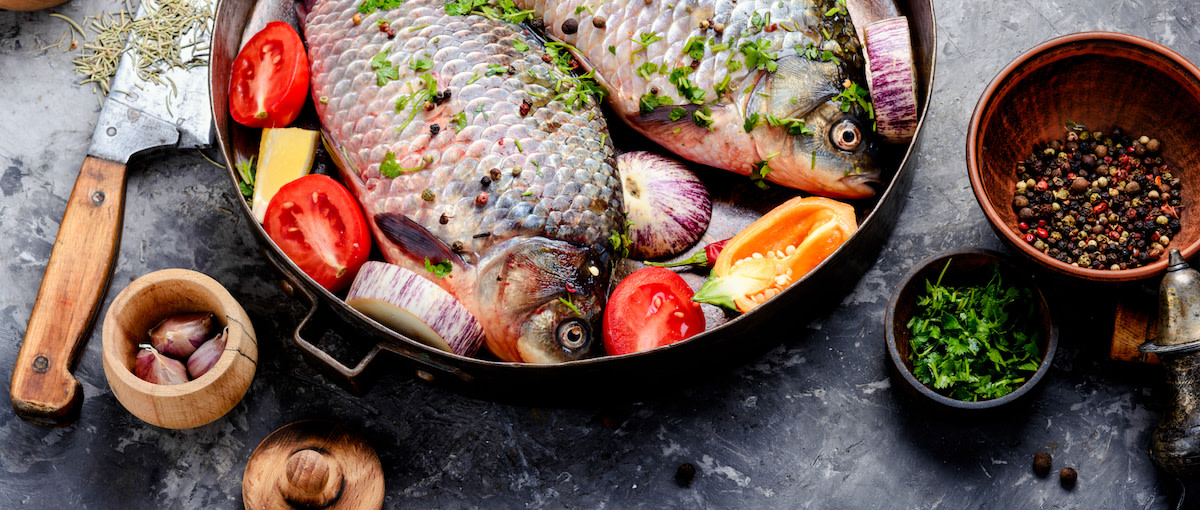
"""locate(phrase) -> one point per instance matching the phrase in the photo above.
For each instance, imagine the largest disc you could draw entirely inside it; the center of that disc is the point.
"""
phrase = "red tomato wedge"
(650, 308)
(318, 224)
(269, 80)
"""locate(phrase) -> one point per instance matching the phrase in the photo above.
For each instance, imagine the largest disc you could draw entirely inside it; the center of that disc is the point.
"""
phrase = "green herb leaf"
(246, 171)
(759, 55)
(650, 101)
(974, 342)
(647, 69)
(440, 269)
(694, 47)
(678, 77)
(459, 121)
(494, 69)
(677, 113)
(643, 40)
(421, 64)
(793, 127)
(520, 45)
(856, 94)
(751, 122)
(703, 117)
(566, 301)
(389, 167)
(369, 6)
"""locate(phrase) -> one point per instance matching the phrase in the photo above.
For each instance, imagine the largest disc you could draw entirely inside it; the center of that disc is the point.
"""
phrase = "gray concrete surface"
(814, 423)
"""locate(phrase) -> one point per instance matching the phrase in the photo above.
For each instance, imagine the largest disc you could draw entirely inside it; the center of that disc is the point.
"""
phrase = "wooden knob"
(313, 479)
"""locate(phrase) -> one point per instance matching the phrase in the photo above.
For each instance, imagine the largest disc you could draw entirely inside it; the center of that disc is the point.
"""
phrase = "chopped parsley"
(391, 169)
(504, 10)
(760, 21)
(759, 55)
(494, 69)
(733, 65)
(647, 69)
(643, 40)
(703, 117)
(421, 64)
(689, 92)
(567, 301)
(792, 126)
(677, 113)
(694, 47)
(459, 121)
(415, 101)
(369, 6)
(520, 45)
(974, 342)
(722, 87)
(612, 49)
(759, 171)
(440, 269)
(651, 101)
(246, 170)
(856, 94)
(752, 121)
(384, 70)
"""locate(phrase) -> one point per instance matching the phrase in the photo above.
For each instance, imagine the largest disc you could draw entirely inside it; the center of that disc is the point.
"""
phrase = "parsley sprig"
(246, 170)
(974, 342)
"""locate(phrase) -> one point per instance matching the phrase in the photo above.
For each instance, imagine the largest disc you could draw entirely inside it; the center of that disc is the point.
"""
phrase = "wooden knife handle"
(43, 389)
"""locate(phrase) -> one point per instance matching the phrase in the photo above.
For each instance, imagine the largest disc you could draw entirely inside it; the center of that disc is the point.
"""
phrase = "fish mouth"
(543, 298)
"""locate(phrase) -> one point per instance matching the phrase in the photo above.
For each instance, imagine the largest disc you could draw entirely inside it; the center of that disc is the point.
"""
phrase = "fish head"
(543, 299)
(833, 151)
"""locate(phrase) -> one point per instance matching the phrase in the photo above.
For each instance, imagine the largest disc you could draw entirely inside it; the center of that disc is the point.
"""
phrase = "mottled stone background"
(814, 423)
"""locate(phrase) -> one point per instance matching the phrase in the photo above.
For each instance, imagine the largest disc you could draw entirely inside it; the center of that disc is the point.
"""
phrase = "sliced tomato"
(269, 80)
(650, 308)
(319, 225)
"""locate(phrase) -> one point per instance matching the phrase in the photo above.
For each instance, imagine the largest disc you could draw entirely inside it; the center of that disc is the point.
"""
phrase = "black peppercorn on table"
(814, 423)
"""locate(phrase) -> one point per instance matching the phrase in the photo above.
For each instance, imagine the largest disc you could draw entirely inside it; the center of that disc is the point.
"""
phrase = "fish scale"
(802, 88)
(555, 166)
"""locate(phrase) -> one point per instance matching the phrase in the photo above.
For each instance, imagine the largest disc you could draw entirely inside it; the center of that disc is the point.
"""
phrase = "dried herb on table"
(975, 342)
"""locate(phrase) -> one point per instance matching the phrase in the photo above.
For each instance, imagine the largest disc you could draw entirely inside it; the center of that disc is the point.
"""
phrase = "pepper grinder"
(1175, 444)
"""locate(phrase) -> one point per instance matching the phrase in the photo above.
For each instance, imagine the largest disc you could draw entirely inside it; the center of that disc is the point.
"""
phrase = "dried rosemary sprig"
(157, 41)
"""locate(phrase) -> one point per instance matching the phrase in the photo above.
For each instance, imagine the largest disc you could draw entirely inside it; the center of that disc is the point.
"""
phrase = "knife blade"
(141, 112)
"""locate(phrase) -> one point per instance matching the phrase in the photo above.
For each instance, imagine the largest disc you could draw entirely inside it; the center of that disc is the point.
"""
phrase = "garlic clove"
(207, 355)
(178, 336)
(151, 366)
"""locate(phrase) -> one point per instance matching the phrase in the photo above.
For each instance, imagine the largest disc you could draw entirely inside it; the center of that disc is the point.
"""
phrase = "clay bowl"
(1101, 80)
(142, 305)
(967, 267)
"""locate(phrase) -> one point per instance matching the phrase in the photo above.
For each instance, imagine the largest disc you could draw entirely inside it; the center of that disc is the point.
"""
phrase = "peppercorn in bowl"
(969, 330)
(1080, 154)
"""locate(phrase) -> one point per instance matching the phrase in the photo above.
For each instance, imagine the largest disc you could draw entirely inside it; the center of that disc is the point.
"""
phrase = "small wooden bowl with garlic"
(172, 402)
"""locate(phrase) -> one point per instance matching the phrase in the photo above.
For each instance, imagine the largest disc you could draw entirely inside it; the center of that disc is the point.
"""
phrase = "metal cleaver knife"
(138, 114)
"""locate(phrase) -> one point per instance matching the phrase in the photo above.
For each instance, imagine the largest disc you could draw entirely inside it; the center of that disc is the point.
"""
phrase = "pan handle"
(357, 379)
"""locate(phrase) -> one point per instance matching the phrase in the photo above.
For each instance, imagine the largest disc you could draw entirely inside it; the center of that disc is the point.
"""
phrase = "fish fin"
(413, 239)
(659, 124)
(799, 86)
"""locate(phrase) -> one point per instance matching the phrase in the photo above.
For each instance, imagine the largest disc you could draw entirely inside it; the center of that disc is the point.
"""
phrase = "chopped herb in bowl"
(974, 342)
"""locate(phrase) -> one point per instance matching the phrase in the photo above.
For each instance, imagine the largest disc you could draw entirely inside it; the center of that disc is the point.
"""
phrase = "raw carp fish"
(463, 144)
(752, 86)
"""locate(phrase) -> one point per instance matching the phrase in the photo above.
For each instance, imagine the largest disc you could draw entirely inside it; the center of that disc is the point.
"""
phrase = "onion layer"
(667, 206)
(891, 75)
(415, 307)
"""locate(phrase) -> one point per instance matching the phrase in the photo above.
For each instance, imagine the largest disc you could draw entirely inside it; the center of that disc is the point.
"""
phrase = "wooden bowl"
(142, 305)
(1101, 80)
(967, 267)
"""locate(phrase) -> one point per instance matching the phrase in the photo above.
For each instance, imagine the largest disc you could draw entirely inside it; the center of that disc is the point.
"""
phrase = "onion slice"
(892, 78)
(666, 205)
(415, 307)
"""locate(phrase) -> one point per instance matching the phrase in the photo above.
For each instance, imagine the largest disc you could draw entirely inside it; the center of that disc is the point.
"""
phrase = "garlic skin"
(151, 366)
(178, 336)
(207, 355)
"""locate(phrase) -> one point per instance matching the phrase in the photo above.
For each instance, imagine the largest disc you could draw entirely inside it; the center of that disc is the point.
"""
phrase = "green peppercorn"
(1161, 220)
(427, 195)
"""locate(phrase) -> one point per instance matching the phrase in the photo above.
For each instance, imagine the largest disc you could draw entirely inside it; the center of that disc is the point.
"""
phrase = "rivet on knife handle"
(43, 390)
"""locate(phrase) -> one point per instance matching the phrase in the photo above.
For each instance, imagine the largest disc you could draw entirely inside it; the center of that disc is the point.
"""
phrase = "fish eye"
(573, 334)
(845, 135)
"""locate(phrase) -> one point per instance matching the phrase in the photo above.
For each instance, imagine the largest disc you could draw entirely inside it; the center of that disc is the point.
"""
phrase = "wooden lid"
(313, 464)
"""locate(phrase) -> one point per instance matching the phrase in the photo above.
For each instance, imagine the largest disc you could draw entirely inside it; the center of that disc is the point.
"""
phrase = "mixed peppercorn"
(1097, 200)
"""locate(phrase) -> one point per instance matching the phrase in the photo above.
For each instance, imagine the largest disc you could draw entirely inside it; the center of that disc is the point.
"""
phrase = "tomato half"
(319, 225)
(269, 80)
(650, 308)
